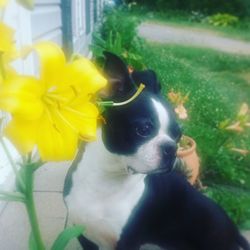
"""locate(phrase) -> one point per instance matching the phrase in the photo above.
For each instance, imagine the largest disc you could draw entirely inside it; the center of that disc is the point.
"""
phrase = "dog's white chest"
(102, 201)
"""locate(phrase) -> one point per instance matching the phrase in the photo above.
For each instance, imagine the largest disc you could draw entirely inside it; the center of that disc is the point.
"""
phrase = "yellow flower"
(7, 38)
(54, 111)
(173, 97)
(237, 127)
(177, 98)
(7, 51)
(243, 109)
(241, 121)
(3, 3)
(181, 111)
(244, 152)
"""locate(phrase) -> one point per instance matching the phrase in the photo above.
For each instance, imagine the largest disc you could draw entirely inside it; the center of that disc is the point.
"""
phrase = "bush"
(118, 34)
(236, 7)
(222, 20)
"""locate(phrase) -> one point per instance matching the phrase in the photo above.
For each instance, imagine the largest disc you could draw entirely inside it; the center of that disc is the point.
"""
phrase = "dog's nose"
(169, 148)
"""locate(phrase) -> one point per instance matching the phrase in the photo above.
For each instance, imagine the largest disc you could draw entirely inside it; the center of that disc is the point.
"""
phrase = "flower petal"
(7, 37)
(235, 127)
(22, 134)
(22, 96)
(84, 76)
(244, 152)
(83, 118)
(56, 141)
(243, 109)
(181, 111)
(52, 63)
(3, 3)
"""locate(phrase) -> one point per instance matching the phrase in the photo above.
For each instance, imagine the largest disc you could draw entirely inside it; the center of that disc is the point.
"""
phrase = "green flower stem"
(30, 207)
(12, 163)
(12, 196)
(26, 183)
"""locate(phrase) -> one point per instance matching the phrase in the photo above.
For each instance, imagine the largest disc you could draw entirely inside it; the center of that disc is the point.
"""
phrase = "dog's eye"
(144, 130)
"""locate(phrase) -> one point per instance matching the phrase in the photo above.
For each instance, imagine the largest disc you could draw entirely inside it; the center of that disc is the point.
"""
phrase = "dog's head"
(144, 132)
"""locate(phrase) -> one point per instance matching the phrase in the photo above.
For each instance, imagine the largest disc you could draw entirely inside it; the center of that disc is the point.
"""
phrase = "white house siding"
(79, 27)
(45, 23)
(83, 23)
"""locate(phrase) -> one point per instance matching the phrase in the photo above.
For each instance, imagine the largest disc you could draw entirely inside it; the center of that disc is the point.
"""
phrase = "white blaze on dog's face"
(151, 155)
(144, 132)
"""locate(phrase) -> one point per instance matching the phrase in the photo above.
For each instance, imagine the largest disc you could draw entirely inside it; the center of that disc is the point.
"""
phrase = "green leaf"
(28, 4)
(12, 196)
(32, 242)
(66, 235)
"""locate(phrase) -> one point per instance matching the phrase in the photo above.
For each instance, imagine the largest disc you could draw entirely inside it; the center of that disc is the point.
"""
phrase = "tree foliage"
(236, 7)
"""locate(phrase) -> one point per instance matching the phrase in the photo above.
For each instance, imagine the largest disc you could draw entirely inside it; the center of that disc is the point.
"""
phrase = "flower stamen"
(66, 121)
(78, 113)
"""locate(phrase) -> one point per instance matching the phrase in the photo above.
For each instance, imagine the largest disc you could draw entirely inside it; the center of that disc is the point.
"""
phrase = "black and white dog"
(122, 188)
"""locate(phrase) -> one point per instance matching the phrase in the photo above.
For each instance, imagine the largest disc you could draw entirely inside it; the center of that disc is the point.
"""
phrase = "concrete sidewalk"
(167, 34)
(14, 226)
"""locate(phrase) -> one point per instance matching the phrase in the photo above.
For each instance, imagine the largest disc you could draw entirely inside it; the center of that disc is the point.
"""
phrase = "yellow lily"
(54, 111)
(7, 51)
(7, 38)
(181, 112)
(3, 3)
(244, 152)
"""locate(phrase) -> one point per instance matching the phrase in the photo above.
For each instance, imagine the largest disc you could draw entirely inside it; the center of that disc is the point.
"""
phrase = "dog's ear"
(120, 82)
(148, 78)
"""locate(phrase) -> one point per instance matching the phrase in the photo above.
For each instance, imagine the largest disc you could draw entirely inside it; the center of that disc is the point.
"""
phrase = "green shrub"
(222, 20)
(118, 34)
(236, 7)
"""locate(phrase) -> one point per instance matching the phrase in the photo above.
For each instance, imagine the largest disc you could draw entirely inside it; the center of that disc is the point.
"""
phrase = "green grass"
(184, 19)
(214, 81)
(217, 88)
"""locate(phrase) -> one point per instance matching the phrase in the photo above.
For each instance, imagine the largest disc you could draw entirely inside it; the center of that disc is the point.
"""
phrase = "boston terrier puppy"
(122, 189)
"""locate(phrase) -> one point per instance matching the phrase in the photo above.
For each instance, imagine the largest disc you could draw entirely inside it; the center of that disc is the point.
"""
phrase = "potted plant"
(190, 162)
(189, 159)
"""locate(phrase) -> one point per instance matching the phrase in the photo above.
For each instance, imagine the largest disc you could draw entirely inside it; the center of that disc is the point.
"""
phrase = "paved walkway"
(14, 226)
(177, 35)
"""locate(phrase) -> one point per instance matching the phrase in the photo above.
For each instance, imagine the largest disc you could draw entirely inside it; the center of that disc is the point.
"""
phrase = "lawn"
(217, 83)
(195, 21)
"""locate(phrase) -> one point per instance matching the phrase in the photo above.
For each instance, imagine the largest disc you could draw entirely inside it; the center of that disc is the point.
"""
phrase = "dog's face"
(144, 132)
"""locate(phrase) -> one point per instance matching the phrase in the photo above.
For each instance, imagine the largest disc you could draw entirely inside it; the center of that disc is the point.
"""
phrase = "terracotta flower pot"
(189, 157)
